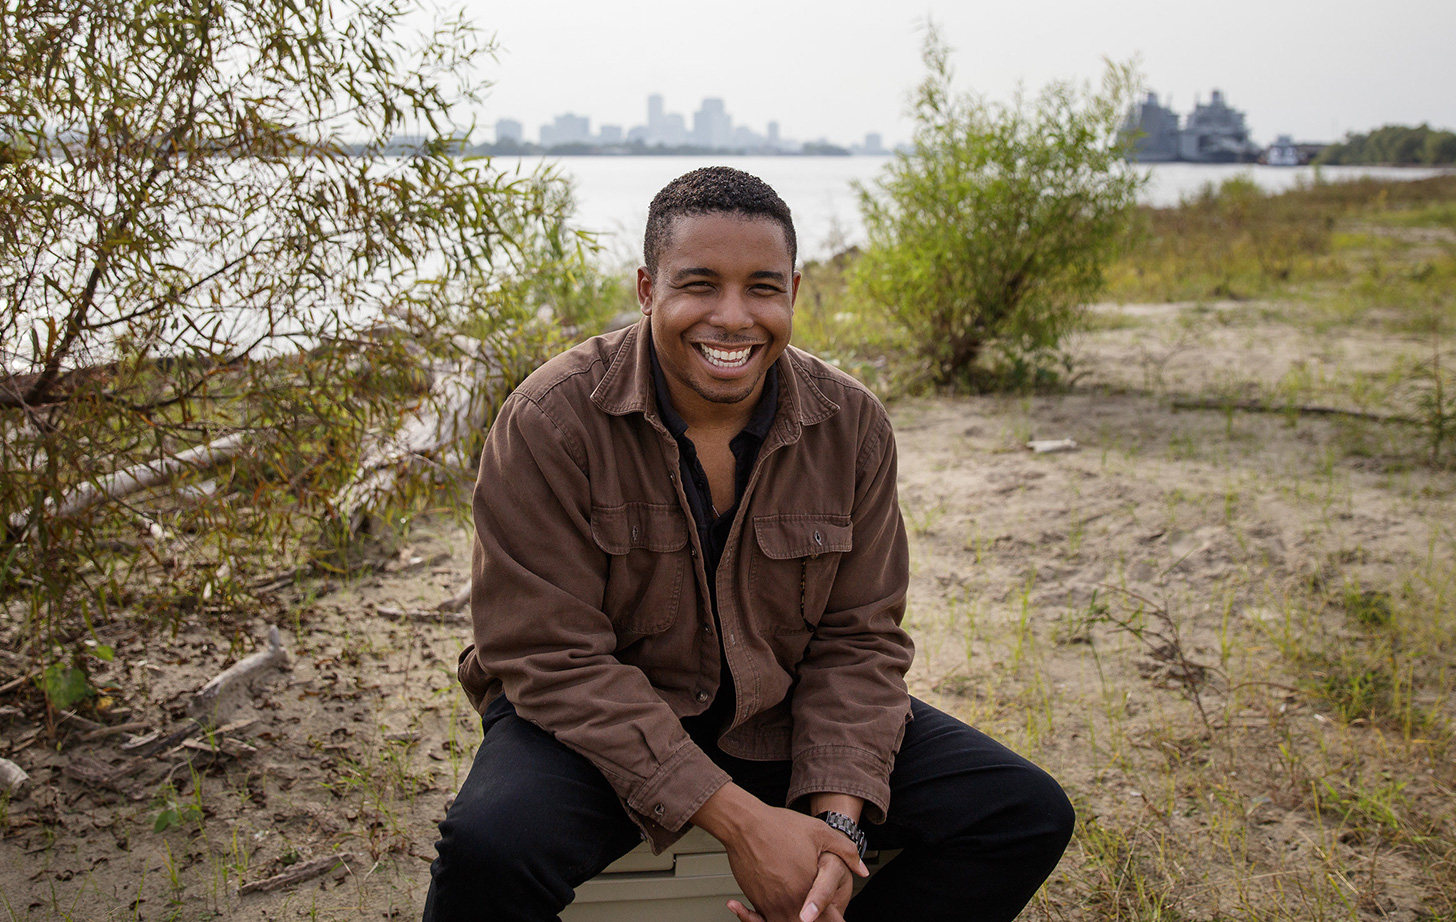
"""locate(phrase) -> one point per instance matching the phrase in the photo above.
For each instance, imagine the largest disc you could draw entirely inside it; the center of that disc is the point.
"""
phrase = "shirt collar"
(758, 424)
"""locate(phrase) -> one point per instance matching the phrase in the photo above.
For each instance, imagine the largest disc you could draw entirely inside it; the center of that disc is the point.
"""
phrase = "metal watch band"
(847, 826)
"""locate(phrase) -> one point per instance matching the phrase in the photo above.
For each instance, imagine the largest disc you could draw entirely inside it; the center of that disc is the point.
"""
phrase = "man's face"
(722, 308)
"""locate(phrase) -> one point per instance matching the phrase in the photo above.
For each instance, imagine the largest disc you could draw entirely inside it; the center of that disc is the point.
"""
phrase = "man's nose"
(733, 311)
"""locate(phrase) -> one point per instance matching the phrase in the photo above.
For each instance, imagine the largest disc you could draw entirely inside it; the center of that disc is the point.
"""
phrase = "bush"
(987, 237)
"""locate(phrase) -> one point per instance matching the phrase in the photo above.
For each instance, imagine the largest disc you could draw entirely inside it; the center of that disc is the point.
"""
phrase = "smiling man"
(688, 579)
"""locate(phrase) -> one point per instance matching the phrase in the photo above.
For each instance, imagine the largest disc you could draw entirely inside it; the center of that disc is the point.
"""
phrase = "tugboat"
(1283, 152)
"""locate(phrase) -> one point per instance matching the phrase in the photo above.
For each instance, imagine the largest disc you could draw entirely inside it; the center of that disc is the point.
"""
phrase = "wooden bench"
(688, 882)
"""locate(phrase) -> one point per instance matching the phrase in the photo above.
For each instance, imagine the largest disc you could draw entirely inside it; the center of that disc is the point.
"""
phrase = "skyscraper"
(711, 125)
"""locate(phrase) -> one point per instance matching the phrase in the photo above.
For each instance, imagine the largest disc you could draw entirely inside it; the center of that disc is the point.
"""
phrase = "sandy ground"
(1133, 614)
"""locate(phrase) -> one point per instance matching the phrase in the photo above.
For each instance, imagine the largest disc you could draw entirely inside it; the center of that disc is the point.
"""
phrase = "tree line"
(1398, 145)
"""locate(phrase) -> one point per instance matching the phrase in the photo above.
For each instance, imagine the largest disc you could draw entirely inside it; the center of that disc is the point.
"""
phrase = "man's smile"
(726, 358)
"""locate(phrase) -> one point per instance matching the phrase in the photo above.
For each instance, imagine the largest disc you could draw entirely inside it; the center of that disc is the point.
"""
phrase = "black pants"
(980, 827)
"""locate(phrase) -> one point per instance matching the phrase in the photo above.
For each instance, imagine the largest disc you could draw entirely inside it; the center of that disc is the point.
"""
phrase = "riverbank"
(1229, 634)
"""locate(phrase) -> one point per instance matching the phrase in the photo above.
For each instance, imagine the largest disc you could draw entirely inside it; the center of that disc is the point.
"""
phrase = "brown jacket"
(590, 600)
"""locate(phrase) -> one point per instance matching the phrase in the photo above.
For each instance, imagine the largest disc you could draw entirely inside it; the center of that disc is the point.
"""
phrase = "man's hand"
(827, 898)
(784, 861)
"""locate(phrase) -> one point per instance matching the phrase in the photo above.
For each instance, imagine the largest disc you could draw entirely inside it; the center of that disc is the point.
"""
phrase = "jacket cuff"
(678, 788)
(843, 770)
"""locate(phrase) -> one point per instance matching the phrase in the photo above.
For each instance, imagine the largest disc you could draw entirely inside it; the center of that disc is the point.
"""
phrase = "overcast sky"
(841, 69)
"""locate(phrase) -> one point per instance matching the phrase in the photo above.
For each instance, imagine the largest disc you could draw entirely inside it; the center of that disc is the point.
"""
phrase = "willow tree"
(989, 233)
(231, 232)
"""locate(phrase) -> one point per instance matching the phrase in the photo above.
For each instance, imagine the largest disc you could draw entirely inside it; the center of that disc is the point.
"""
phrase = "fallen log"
(298, 874)
(436, 430)
(130, 480)
(220, 693)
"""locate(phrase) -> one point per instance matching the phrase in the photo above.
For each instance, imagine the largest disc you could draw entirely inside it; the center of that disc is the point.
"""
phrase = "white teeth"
(724, 358)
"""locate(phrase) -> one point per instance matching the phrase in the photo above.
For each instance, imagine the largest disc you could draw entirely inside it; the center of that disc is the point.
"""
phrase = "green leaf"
(65, 685)
(167, 819)
(104, 652)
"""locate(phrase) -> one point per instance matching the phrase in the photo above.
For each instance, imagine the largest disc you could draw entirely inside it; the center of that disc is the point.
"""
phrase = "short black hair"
(708, 190)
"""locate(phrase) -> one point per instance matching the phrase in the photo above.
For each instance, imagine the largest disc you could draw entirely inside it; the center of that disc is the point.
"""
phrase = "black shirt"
(713, 526)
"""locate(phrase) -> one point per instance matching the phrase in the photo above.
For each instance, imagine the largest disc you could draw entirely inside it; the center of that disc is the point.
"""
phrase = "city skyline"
(843, 70)
(712, 127)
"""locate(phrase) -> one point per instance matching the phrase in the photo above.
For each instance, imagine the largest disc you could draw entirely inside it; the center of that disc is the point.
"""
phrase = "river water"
(613, 192)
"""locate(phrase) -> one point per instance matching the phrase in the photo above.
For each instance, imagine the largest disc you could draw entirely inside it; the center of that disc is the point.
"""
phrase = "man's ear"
(794, 290)
(644, 289)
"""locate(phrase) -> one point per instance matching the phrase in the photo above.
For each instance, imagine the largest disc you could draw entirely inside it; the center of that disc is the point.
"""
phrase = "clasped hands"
(792, 867)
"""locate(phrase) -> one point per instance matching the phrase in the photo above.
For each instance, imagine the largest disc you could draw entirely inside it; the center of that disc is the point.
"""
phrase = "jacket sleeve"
(537, 585)
(846, 742)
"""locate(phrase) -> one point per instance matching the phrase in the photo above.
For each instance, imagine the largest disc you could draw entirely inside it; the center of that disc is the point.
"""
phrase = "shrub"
(218, 241)
(989, 234)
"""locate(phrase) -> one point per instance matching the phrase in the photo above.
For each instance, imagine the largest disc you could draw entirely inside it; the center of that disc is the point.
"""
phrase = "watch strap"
(847, 826)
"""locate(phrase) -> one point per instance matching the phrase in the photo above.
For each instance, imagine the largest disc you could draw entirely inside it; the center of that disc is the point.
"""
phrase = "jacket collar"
(627, 387)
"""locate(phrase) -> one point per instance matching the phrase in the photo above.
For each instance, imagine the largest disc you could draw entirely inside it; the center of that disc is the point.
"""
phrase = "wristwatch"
(847, 826)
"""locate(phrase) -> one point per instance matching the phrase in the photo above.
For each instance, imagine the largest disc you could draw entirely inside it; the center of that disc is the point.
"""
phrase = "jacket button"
(818, 539)
(702, 695)
(658, 810)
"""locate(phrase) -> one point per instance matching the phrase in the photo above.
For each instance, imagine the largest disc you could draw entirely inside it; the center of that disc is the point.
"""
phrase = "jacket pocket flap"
(648, 526)
(793, 535)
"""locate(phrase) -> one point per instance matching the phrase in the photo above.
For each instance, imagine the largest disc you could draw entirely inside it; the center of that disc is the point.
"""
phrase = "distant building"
(711, 125)
(873, 145)
(663, 128)
(1214, 133)
(1154, 131)
(610, 134)
(508, 129)
(566, 129)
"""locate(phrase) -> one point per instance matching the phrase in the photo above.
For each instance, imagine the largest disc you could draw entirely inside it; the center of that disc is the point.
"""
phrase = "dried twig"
(298, 874)
(1259, 406)
(429, 616)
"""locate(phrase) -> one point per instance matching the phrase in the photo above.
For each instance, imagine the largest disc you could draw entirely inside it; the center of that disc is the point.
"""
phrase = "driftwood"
(94, 773)
(214, 697)
(458, 601)
(1258, 406)
(13, 779)
(1045, 446)
(139, 477)
(437, 430)
(298, 874)
(153, 743)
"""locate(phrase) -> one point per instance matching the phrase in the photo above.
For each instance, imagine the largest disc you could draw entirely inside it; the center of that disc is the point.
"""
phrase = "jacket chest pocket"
(793, 568)
(648, 566)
